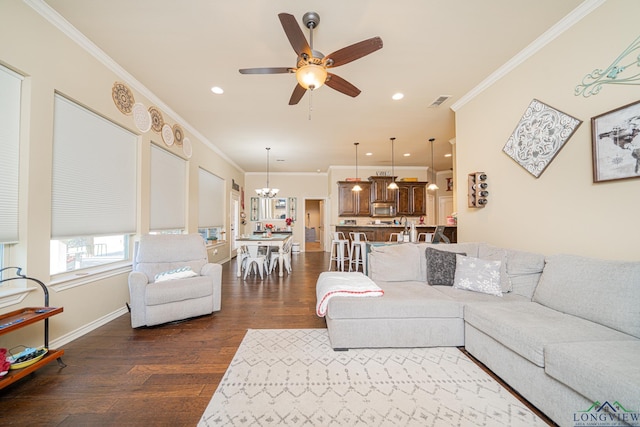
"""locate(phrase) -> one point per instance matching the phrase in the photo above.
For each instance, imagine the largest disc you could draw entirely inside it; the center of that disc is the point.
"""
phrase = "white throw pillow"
(177, 273)
(478, 275)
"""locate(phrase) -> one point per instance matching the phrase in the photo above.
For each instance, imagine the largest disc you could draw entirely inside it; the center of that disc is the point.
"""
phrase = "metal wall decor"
(157, 122)
(122, 97)
(616, 144)
(620, 72)
(539, 136)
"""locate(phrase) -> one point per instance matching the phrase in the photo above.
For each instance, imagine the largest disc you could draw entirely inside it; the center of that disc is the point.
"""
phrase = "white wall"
(562, 211)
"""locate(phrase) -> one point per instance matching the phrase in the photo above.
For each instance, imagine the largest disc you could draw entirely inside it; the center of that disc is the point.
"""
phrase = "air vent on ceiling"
(439, 101)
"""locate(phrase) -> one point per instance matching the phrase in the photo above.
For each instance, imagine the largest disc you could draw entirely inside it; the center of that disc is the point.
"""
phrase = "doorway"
(314, 225)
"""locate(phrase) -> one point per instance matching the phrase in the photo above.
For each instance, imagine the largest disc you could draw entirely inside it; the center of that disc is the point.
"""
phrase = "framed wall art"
(540, 134)
(616, 144)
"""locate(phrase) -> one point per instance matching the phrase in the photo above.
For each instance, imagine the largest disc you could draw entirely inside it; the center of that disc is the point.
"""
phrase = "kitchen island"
(382, 232)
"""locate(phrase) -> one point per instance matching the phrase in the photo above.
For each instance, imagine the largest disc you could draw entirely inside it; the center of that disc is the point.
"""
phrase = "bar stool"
(396, 237)
(427, 237)
(358, 250)
(339, 251)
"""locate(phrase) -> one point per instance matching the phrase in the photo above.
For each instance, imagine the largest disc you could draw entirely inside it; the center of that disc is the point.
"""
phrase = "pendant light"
(432, 186)
(267, 193)
(357, 186)
(392, 185)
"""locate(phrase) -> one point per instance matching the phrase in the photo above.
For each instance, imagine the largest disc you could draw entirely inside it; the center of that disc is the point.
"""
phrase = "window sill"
(216, 243)
(11, 296)
(64, 281)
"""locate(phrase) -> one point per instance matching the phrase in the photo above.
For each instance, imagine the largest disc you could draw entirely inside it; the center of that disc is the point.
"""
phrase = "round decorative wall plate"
(122, 97)
(141, 117)
(186, 148)
(167, 134)
(178, 134)
(156, 119)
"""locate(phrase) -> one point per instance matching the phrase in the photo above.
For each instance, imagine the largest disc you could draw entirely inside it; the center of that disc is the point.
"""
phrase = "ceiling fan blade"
(341, 85)
(294, 34)
(266, 70)
(296, 96)
(353, 52)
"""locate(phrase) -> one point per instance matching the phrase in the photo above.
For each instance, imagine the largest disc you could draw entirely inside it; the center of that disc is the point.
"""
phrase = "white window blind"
(94, 174)
(210, 200)
(168, 190)
(10, 84)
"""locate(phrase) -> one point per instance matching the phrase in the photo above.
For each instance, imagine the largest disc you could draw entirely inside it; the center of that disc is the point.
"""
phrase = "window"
(10, 87)
(168, 192)
(211, 206)
(93, 206)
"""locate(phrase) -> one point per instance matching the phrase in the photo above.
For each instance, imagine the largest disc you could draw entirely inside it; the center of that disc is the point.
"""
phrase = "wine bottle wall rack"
(478, 189)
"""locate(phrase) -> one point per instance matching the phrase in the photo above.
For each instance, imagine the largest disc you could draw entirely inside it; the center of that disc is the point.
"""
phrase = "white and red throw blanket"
(340, 284)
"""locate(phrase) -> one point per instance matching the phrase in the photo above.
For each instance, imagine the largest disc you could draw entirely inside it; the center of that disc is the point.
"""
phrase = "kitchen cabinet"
(412, 198)
(379, 190)
(354, 203)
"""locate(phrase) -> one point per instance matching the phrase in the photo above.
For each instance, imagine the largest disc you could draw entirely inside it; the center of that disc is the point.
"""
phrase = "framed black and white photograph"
(616, 144)
(540, 134)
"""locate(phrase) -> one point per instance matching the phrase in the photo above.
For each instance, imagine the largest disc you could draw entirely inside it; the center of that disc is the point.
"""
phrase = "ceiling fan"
(311, 66)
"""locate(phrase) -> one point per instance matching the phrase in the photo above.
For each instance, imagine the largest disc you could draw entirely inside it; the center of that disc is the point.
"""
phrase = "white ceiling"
(180, 49)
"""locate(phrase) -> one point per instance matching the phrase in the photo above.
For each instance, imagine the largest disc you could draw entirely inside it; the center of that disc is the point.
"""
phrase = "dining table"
(274, 239)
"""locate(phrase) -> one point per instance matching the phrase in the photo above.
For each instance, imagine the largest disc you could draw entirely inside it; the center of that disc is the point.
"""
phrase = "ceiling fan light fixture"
(311, 76)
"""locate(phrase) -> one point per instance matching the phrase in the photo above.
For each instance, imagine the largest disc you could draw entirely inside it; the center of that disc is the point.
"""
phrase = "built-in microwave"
(383, 209)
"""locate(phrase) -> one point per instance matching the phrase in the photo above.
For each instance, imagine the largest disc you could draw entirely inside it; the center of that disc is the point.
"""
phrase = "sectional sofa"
(562, 330)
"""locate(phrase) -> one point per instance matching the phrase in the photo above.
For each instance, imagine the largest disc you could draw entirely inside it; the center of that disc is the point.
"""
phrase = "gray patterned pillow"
(478, 275)
(441, 266)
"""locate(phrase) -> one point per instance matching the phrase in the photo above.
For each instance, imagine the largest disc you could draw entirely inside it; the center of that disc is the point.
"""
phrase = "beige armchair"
(154, 302)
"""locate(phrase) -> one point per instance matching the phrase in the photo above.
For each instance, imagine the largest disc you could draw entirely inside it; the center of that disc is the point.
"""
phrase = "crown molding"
(58, 21)
(547, 37)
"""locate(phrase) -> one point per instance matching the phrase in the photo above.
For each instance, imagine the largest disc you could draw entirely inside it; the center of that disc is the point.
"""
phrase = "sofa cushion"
(526, 327)
(178, 290)
(395, 263)
(468, 296)
(580, 366)
(477, 275)
(411, 299)
(441, 266)
(524, 270)
(605, 292)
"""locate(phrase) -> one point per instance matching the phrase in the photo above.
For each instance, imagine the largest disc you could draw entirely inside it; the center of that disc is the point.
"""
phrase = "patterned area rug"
(293, 377)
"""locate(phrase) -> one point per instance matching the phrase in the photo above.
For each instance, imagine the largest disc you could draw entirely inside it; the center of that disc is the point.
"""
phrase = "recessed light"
(397, 96)
(448, 155)
(407, 154)
(369, 154)
(217, 90)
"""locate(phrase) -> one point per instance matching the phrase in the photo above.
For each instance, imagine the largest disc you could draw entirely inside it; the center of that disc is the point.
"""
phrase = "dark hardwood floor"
(164, 375)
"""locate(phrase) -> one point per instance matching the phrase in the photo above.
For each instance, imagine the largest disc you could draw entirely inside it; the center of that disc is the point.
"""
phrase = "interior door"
(234, 220)
(321, 227)
(445, 208)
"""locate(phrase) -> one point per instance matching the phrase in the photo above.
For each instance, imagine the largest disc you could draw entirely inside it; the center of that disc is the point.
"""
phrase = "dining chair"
(255, 259)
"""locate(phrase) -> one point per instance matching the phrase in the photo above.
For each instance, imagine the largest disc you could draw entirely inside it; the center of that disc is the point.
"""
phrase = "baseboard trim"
(67, 338)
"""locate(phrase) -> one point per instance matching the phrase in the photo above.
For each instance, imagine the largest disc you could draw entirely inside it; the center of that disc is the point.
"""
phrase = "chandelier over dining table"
(267, 192)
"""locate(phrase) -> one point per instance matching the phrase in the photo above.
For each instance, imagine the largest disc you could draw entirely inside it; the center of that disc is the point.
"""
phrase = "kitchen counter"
(382, 232)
